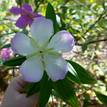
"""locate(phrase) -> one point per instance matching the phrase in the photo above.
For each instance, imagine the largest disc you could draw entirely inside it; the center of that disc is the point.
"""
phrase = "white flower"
(43, 51)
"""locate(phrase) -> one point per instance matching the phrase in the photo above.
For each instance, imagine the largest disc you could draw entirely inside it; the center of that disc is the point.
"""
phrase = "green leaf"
(5, 46)
(45, 90)
(73, 78)
(101, 97)
(50, 14)
(31, 88)
(15, 61)
(66, 91)
(84, 76)
(26, 1)
(19, 2)
(72, 75)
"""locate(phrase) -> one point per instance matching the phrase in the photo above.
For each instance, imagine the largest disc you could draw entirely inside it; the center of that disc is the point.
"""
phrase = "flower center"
(42, 50)
(27, 13)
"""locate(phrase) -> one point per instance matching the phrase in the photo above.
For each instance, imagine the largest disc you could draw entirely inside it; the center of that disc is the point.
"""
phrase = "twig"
(92, 42)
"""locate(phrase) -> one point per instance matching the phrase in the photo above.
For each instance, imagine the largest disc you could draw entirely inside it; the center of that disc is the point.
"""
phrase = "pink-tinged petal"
(38, 15)
(35, 15)
(22, 22)
(21, 44)
(27, 7)
(62, 41)
(56, 67)
(32, 69)
(42, 29)
(15, 10)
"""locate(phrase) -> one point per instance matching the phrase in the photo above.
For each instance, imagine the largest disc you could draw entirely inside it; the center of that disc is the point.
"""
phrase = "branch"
(92, 42)
(99, 18)
(93, 25)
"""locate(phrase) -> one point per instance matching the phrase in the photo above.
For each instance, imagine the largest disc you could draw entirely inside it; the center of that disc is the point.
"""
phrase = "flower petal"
(42, 30)
(62, 41)
(32, 69)
(15, 10)
(27, 7)
(21, 44)
(56, 67)
(22, 22)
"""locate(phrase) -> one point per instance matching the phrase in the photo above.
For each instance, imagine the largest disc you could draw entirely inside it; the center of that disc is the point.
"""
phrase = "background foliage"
(86, 20)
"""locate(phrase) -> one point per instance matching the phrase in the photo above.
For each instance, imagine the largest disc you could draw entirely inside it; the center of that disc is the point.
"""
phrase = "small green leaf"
(15, 61)
(6, 46)
(101, 97)
(45, 90)
(50, 14)
(84, 76)
(66, 91)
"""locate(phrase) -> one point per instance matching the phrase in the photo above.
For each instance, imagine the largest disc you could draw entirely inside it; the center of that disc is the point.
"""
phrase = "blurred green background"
(86, 20)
